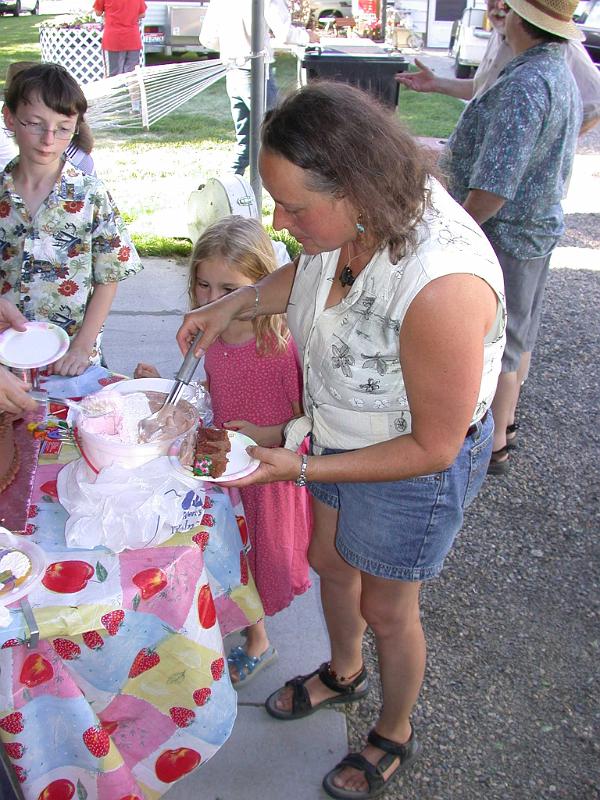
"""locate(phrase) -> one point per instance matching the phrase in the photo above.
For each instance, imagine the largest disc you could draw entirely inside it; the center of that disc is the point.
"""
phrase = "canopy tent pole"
(257, 95)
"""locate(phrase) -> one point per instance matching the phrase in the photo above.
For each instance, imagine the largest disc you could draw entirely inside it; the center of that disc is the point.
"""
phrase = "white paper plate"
(239, 462)
(38, 565)
(41, 344)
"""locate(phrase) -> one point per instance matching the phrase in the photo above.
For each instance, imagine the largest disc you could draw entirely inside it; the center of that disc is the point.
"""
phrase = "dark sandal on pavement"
(499, 462)
(511, 435)
(301, 704)
(406, 753)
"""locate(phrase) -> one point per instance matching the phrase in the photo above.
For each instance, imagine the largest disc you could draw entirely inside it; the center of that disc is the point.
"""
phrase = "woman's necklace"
(346, 276)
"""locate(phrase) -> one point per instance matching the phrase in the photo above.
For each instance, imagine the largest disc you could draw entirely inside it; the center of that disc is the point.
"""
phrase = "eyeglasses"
(37, 129)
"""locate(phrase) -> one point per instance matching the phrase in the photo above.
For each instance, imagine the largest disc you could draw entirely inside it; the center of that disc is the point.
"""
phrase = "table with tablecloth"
(128, 689)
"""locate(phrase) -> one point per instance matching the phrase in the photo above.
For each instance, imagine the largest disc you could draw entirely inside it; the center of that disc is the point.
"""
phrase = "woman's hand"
(13, 394)
(270, 296)
(11, 317)
(145, 371)
(277, 464)
(211, 320)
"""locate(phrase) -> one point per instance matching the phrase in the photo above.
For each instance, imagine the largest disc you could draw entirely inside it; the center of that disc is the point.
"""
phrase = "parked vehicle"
(15, 7)
(172, 27)
(325, 9)
(469, 40)
(587, 17)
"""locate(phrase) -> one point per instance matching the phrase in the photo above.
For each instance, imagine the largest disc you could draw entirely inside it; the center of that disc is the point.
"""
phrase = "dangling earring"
(359, 226)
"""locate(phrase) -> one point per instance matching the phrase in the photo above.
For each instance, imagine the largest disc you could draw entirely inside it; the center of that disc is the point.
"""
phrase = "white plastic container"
(100, 452)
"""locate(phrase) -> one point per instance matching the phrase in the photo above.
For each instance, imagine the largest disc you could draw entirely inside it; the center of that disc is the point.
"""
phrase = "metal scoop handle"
(185, 373)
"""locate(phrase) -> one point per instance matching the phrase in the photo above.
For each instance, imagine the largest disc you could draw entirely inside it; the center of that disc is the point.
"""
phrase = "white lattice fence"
(77, 49)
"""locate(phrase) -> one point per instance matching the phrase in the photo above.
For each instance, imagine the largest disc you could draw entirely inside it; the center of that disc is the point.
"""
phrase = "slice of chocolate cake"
(210, 455)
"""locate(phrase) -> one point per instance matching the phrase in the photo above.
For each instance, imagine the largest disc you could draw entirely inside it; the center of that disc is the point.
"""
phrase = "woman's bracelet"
(301, 479)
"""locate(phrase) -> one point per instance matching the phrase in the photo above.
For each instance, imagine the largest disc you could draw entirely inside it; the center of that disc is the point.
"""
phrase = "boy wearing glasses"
(63, 244)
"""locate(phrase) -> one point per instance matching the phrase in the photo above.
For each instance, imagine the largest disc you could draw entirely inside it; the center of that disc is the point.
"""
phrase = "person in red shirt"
(121, 39)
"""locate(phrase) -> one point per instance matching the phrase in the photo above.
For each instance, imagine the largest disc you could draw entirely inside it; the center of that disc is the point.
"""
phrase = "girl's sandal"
(301, 703)
(248, 667)
(404, 753)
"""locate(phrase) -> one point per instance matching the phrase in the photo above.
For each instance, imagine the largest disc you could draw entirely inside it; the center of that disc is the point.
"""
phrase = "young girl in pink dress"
(254, 381)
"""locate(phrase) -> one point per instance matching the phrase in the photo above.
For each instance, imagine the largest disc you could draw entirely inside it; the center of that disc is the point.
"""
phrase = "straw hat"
(553, 16)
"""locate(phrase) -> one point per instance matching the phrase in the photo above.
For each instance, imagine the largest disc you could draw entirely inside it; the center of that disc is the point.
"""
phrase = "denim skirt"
(403, 530)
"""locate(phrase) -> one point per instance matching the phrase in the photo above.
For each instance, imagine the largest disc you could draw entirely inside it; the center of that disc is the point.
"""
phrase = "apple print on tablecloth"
(60, 789)
(207, 613)
(150, 582)
(174, 764)
(35, 670)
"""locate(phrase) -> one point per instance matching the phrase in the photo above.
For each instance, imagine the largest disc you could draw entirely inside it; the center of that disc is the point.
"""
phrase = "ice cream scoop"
(152, 427)
(88, 410)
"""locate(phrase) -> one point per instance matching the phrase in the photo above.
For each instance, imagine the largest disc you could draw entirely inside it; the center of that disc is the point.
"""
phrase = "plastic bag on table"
(122, 508)
(202, 402)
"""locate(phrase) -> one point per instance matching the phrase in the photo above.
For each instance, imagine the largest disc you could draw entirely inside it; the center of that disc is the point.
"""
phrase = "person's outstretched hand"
(13, 391)
(277, 464)
(13, 394)
(10, 316)
(422, 81)
(145, 371)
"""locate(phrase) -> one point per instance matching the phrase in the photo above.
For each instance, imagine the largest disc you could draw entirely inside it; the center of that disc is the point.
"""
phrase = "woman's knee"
(327, 562)
(388, 613)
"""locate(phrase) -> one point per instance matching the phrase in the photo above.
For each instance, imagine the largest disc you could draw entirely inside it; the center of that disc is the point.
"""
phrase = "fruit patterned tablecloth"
(128, 688)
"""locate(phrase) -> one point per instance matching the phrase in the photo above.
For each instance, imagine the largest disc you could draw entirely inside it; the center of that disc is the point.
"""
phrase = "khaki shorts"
(524, 285)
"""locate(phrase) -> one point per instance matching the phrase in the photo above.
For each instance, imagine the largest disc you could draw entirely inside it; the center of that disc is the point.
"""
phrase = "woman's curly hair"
(353, 147)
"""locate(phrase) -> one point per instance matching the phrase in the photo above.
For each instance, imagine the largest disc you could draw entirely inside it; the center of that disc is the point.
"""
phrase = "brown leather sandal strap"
(326, 677)
(394, 749)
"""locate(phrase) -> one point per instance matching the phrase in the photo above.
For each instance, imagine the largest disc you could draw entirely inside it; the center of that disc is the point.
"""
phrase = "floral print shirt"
(49, 263)
(517, 140)
(354, 392)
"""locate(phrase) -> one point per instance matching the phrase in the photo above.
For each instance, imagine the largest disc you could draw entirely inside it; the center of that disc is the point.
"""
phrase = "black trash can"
(373, 72)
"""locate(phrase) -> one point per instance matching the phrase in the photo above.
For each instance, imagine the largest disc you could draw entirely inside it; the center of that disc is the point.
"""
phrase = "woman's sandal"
(406, 753)
(248, 667)
(301, 703)
(499, 462)
(511, 435)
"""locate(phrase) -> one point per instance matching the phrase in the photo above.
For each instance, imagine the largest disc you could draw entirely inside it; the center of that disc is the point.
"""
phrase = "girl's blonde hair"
(244, 245)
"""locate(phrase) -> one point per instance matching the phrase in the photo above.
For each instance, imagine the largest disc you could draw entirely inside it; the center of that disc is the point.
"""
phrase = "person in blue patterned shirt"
(508, 163)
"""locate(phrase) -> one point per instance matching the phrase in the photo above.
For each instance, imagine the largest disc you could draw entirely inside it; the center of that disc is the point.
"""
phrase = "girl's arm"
(77, 359)
(263, 435)
(273, 295)
(441, 342)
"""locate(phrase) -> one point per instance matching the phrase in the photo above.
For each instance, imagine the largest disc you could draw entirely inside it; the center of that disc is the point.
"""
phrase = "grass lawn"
(151, 173)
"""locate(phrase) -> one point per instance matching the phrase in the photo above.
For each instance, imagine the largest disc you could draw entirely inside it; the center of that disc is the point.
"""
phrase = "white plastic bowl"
(100, 452)
(148, 385)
